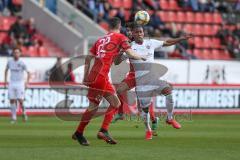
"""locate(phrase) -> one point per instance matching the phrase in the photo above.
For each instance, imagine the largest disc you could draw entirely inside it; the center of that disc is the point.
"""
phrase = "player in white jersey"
(16, 85)
(148, 84)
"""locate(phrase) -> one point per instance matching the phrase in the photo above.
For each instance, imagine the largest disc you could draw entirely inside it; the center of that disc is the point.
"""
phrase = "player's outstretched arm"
(132, 54)
(173, 41)
(119, 58)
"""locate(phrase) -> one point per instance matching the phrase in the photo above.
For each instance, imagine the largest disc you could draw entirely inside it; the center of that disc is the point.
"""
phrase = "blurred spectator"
(237, 6)
(236, 31)
(155, 21)
(121, 15)
(206, 5)
(18, 29)
(56, 74)
(223, 34)
(183, 4)
(69, 76)
(194, 5)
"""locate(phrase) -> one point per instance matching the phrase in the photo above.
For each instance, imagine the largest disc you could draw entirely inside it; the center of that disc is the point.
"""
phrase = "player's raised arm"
(132, 54)
(173, 41)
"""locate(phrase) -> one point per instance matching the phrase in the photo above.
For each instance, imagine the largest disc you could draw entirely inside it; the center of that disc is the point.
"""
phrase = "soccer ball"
(142, 17)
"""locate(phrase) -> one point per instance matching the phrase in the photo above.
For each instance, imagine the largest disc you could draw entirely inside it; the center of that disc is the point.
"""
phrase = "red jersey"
(105, 50)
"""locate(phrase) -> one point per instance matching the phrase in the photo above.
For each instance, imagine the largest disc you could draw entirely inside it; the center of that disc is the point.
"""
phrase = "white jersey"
(17, 69)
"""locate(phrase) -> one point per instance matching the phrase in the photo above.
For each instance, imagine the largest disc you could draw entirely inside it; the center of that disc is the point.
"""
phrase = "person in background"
(69, 76)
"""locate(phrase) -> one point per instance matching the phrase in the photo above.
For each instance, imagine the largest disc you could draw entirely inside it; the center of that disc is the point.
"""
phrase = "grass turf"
(48, 138)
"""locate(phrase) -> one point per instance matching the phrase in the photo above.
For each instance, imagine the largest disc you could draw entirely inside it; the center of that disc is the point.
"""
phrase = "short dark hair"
(129, 25)
(135, 26)
(17, 48)
(114, 23)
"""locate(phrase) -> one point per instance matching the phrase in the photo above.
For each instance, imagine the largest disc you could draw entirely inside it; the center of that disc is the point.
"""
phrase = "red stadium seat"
(43, 52)
(198, 53)
(179, 26)
(127, 15)
(206, 54)
(32, 51)
(208, 18)
(216, 43)
(163, 15)
(216, 54)
(199, 17)
(215, 29)
(190, 17)
(217, 18)
(173, 5)
(198, 42)
(188, 28)
(181, 17)
(207, 30)
(2, 36)
(172, 17)
(24, 51)
(127, 4)
(207, 42)
(198, 29)
(116, 3)
(164, 4)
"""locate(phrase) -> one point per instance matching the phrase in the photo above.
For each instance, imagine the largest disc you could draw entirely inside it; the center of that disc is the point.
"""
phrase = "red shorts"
(130, 80)
(98, 88)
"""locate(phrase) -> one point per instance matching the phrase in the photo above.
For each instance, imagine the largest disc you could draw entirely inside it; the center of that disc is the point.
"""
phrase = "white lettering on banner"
(4, 102)
(219, 98)
(182, 99)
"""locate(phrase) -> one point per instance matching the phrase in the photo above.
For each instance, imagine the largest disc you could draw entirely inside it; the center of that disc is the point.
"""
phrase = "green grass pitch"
(48, 138)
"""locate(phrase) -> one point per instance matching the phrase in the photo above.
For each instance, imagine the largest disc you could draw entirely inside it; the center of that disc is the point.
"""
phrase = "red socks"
(86, 117)
(109, 114)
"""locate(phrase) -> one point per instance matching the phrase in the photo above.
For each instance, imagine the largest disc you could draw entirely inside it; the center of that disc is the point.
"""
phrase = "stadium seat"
(179, 26)
(163, 15)
(2, 36)
(116, 3)
(198, 42)
(43, 52)
(206, 54)
(181, 17)
(216, 43)
(198, 53)
(199, 17)
(172, 17)
(188, 28)
(207, 30)
(24, 51)
(190, 17)
(127, 15)
(198, 29)
(207, 42)
(32, 51)
(216, 54)
(173, 5)
(208, 18)
(127, 4)
(164, 4)
(215, 29)
(217, 18)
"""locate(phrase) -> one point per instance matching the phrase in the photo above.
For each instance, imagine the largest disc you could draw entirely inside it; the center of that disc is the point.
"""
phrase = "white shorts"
(16, 91)
(145, 93)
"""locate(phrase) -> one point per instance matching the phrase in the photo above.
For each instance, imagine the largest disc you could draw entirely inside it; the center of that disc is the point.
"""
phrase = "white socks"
(169, 106)
(13, 108)
(146, 120)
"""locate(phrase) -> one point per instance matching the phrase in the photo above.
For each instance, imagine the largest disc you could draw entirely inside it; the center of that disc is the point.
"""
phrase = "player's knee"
(167, 91)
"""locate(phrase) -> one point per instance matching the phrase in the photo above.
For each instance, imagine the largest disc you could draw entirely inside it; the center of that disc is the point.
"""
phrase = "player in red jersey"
(104, 52)
(129, 83)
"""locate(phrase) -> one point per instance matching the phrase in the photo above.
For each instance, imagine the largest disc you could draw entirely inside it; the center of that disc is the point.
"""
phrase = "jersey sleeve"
(124, 43)
(157, 43)
(93, 50)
